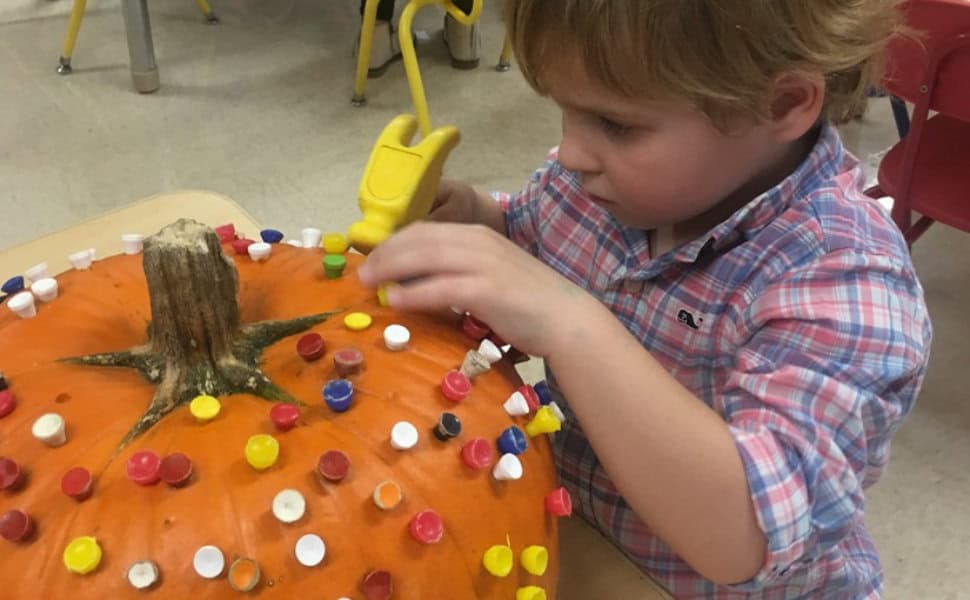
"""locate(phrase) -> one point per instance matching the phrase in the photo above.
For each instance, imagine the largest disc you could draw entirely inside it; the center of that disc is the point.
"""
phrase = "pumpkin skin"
(227, 503)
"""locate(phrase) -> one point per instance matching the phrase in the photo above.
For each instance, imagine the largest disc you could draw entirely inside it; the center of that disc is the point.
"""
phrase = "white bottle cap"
(404, 436)
(508, 467)
(295, 243)
(45, 289)
(92, 253)
(310, 550)
(259, 251)
(37, 272)
(49, 428)
(311, 237)
(142, 574)
(22, 304)
(396, 337)
(490, 351)
(132, 243)
(557, 411)
(81, 260)
(209, 562)
(516, 405)
(289, 506)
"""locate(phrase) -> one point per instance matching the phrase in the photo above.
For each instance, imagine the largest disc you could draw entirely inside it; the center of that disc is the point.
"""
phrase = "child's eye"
(612, 128)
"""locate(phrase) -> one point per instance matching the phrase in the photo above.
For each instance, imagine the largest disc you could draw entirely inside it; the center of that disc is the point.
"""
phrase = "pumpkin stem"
(196, 343)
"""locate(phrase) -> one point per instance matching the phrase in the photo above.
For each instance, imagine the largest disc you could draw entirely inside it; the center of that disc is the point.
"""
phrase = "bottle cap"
(13, 285)
(22, 305)
(175, 469)
(474, 328)
(535, 560)
(143, 467)
(205, 408)
(377, 585)
(338, 394)
(404, 436)
(226, 232)
(289, 506)
(387, 495)
(427, 527)
(284, 416)
(77, 483)
(335, 243)
(530, 592)
(81, 259)
(559, 503)
(516, 405)
(333, 465)
(310, 236)
(132, 243)
(50, 430)
(490, 351)
(38, 271)
(45, 289)
(16, 525)
(311, 347)
(11, 475)
(7, 402)
(82, 555)
(556, 410)
(259, 251)
(334, 265)
(531, 396)
(449, 426)
(310, 550)
(508, 468)
(456, 386)
(545, 421)
(542, 390)
(271, 236)
(474, 364)
(348, 361)
(241, 247)
(478, 453)
(142, 574)
(262, 451)
(512, 441)
(396, 337)
(358, 321)
(209, 562)
(498, 560)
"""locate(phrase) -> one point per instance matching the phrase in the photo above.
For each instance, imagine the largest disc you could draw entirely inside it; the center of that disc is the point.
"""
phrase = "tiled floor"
(258, 108)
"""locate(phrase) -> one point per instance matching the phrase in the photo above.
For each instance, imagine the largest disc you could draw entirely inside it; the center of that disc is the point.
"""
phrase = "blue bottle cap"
(449, 426)
(338, 394)
(545, 394)
(512, 441)
(271, 236)
(13, 285)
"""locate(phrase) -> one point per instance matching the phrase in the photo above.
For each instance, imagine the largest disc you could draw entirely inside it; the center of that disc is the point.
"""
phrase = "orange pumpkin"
(227, 503)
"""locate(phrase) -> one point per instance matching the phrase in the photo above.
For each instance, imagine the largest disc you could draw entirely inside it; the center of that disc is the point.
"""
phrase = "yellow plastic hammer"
(400, 180)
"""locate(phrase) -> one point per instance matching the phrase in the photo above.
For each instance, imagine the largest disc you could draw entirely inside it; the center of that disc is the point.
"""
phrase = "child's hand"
(458, 202)
(526, 303)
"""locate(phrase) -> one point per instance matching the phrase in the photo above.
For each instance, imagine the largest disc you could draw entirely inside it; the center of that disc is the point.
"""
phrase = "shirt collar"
(822, 163)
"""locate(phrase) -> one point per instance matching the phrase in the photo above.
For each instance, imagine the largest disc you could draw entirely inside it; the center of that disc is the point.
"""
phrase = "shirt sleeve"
(836, 361)
(522, 209)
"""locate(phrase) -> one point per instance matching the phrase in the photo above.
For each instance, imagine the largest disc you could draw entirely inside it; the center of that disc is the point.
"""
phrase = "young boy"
(736, 329)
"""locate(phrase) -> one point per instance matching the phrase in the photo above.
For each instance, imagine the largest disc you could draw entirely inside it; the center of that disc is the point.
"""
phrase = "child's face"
(652, 163)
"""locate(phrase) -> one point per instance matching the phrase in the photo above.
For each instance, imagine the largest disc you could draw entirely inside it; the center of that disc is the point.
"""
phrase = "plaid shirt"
(799, 320)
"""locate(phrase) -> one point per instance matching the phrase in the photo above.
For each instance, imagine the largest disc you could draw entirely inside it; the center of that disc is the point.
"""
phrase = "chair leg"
(505, 60)
(367, 23)
(900, 115)
(73, 26)
(206, 9)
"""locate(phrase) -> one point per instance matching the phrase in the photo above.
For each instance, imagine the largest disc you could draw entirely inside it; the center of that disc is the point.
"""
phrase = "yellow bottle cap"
(545, 421)
(358, 321)
(382, 294)
(531, 592)
(535, 560)
(82, 555)
(205, 408)
(335, 243)
(498, 560)
(262, 451)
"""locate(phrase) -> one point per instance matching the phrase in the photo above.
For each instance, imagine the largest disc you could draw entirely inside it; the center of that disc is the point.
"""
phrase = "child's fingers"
(436, 293)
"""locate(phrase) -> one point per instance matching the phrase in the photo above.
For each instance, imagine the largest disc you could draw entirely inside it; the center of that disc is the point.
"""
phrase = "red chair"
(928, 171)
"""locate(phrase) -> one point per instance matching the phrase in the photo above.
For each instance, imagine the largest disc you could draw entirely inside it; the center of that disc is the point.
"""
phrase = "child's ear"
(796, 104)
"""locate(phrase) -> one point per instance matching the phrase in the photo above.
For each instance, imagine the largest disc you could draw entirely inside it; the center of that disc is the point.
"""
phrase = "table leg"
(144, 71)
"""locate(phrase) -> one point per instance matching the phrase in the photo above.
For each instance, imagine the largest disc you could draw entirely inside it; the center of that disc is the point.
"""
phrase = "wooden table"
(590, 566)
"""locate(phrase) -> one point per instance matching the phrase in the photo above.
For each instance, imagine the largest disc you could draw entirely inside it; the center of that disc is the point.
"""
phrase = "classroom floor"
(258, 108)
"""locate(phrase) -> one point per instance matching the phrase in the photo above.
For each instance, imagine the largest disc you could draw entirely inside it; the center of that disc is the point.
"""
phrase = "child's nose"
(574, 155)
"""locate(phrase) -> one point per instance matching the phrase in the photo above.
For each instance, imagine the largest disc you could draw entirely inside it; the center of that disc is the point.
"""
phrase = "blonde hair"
(723, 56)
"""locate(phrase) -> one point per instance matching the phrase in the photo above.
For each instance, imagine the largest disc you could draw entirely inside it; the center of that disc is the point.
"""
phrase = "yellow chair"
(74, 25)
(407, 51)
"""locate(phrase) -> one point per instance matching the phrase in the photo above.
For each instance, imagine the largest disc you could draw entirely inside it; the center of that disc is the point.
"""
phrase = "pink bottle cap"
(474, 328)
(77, 483)
(531, 397)
(559, 503)
(7, 403)
(284, 416)
(456, 386)
(226, 232)
(377, 585)
(349, 361)
(241, 247)
(175, 469)
(427, 527)
(143, 467)
(478, 453)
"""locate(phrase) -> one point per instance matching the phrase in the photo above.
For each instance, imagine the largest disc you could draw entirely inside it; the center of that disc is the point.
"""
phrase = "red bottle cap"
(349, 361)
(175, 469)
(241, 247)
(77, 483)
(226, 232)
(16, 525)
(311, 347)
(7, 403)
(11, 475)
(478, 453)
(377, 585)
(333, 465)
(427, 527)
(284, 416)
(559, 503)
(456, 386)
(143, 467)
(474, 328)
(531, 397)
